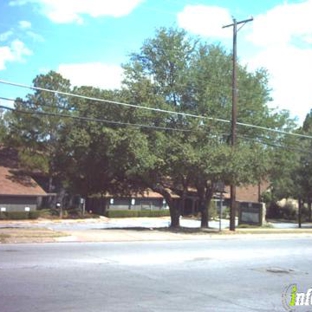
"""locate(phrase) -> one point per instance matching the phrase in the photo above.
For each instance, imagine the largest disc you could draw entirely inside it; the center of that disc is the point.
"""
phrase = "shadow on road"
(184, 230)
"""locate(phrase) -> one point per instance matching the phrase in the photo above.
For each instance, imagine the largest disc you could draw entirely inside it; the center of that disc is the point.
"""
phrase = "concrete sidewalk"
(129, 235)
(127, 230)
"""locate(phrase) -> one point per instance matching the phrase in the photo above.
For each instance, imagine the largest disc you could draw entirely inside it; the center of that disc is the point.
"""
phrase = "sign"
(251, 213)
(295, 300)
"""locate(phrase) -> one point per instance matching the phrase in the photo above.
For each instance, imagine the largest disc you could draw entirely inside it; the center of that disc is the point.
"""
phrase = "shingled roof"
(14, 183)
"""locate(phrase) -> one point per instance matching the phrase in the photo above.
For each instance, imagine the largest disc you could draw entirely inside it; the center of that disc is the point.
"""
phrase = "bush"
(47, 213)
(73, 213)
(136, 213)
(226, 213)
(19, 215)
(212, 210)
(3, 216)
(121, 214)
(305, 214)
(16, 215)
(288, 212)
(34, 214)
(154, 213)
(274, 211)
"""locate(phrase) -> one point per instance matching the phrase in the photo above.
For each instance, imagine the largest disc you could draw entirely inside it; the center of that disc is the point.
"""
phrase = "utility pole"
(234, 113)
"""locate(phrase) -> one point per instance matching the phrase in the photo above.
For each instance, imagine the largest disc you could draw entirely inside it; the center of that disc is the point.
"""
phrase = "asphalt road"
(248, 274)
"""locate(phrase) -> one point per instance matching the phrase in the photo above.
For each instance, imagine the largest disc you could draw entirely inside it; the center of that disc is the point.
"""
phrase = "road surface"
(236, 274)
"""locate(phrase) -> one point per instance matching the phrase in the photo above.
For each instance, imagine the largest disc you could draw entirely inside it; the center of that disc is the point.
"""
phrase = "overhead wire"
(91, 119)
(265, 141)
(159, 110)
(258, 139)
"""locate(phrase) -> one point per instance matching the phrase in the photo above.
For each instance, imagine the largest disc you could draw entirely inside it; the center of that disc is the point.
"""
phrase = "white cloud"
(291, 76)
(6, 35)
(5, 56)
(25, 24)
(283, 24)
(34, 36)
(279, 40)
(15, 52)
(60, 11)
(283, 38)
(19, 50)
(205, 20)
(26, 27)
(93, 74)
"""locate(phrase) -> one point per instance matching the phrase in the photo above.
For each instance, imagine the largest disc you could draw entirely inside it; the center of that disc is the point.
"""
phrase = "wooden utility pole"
(234, 114)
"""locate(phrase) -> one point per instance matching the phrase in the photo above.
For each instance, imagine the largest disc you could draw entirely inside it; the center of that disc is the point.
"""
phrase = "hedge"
(19, 215)
(136, 213)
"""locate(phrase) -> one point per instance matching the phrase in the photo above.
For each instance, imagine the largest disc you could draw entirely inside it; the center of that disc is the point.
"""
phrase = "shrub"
(153, 213)
(212, 210)
(3, 216)
(46, 213)
(17, 215)
(305, 214)
(274, 211)
(288, 212)
(226, 213)
(73, 213)
(136, 213)
(34, 214)
(121, 213)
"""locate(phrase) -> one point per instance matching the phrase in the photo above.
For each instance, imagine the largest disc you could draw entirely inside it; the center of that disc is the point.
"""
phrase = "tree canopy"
(174, 135)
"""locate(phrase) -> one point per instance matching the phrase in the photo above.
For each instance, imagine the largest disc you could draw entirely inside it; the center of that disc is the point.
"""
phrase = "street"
(235, 274)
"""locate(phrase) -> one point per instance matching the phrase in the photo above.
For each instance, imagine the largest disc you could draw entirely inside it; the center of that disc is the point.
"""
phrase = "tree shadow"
(179, 230)
(20, 178)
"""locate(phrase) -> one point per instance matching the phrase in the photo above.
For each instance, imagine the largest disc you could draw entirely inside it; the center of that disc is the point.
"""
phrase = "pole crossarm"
(238, 23)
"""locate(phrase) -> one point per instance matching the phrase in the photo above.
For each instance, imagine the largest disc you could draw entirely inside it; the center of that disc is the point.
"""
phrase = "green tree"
(101, 145)
(3, 127)
(183, 75)
(158, 74)
(36, 123)
(305, 164)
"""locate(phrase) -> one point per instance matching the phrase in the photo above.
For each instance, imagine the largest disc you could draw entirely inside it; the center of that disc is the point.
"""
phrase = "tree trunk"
(51, 199)
(300, 213)
(204, 216)
(206, 201)
(174, 215)
(310, 210)
(173, 206)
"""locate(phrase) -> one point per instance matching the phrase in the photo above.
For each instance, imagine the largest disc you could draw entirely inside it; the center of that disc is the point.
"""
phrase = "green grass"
(3, 237)
(28, 235)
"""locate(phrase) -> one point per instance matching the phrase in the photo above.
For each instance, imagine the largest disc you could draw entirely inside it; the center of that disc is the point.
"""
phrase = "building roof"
(16, 184)
(249, 193)
(148, 193)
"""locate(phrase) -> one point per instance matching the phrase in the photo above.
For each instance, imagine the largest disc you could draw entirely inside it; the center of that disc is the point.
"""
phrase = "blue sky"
(86, 41)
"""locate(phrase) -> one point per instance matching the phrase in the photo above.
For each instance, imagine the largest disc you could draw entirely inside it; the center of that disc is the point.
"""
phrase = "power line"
(92, 119)
(103, 100)
(265, 141)
(259, 140)
(159, 110)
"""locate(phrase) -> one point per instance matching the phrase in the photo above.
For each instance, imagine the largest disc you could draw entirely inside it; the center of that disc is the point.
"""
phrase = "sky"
(87, 41)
